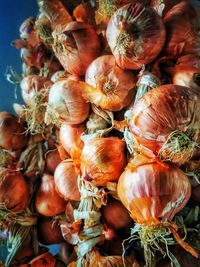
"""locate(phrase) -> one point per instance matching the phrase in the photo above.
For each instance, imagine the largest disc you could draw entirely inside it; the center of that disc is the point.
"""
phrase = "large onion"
(103, 160)
(12, 132)
(66, 103)
(47, 201)
(135, 35)
(14, 191)
(166, 121)
(66, 183)
(113, 87)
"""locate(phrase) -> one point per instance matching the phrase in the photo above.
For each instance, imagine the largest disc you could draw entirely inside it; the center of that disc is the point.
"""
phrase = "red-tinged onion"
(66, 103)
(113, 87)
(47, 201)
(49, 231)
(162, 6)
(14, 190)
(115, 215)
(66, 183)
(31, 85)
(52, 160)
(12, 132)
(136, 35)
(69, 47)
(43, 260)
(166, 121)
(103, 160)
(182, 30)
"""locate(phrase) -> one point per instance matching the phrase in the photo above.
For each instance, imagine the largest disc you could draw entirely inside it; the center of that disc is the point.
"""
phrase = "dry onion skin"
(103, 160)
(66, 181)
(69, 47)
(47, 201)
(182, 30)
(113, 87)
(166, 121)
(14, 190)
(12, 132)
(66, 103)
(132, 33)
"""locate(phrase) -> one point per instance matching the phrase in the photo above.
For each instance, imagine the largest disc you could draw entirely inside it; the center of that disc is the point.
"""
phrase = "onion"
(12, 132)
(153, 192)
(66, 103)
(43, 260)
(49, 231)
(113, 87)
(52, 160)
(47, 201)
(31, 85)
(162, 6)
(166, 121)
(66, 181)
(182, 30)
(67, 253)
(14, 191)
(69, 47)
(115, 215)
(70, 136)
(132, 33)
(103, 160)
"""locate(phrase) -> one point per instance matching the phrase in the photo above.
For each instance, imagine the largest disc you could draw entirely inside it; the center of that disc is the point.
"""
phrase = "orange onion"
(66, 103)
(182, 30)
(43, 260)
(115, 215)
(49, 231)
(70, 136)
(14, 190)
(69, 47)
(132, 33)
(162, 6)
(166, 121)
(52, 160)
(12, 132)
(47, 201)
(187, 76)
(103, 160)
(153, 192)
(66, 183)
(32, 84)
(113, 87)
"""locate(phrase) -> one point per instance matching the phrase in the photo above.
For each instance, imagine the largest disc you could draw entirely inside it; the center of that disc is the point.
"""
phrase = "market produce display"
(103, 157)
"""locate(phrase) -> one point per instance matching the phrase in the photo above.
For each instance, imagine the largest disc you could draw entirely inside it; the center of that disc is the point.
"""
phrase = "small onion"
(136, 35)
(47, 201)
(66, 183)
(182, 30)
(12, 132)
(66, 103)
(115, 215)
(32, 84)
(113, 87)
(52, 160)
(166, 121)
(14, 191)
(103, 160)
(70, 136)
(69, 47)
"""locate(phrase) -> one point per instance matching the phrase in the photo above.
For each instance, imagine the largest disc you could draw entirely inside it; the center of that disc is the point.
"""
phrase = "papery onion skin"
(66, 181)
(12, 132)
(69, 47)
(182, 30)
(32, 84)
(115, 215)
(66, 100)
(70, 136)
(114, 87)
(14, 190)
(103, 160)
(132, 33)
(162, 111)
(47, 201)
(153, 191)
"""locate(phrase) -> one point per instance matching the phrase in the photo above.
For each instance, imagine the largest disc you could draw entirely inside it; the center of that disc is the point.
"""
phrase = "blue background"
(12, 14)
